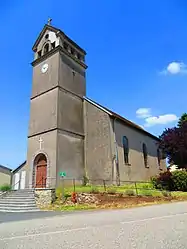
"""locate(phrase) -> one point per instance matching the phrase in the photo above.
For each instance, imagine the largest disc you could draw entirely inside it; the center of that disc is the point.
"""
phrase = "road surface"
(156, 227)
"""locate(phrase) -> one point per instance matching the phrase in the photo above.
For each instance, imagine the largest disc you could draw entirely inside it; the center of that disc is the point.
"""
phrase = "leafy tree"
(173, 142)
(182, 119)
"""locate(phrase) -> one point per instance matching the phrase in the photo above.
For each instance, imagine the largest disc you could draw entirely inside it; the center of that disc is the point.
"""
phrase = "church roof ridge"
(115, 115)
(20, 166)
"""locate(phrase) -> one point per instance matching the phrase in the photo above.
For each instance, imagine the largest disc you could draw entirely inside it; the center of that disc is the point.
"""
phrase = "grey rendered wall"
(136, 171)
(71, 76)
(43, 112)
(70, 112)
(43, 82)
(98, 151)
(70, 156)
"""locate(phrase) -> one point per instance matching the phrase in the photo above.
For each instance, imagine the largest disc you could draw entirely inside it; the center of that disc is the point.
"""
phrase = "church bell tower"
(56, 131)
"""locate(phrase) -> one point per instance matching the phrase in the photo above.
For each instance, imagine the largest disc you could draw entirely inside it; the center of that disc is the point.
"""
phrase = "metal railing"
(102, 185)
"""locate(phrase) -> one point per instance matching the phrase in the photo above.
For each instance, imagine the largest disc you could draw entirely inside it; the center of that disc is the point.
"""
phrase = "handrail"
(16, 184)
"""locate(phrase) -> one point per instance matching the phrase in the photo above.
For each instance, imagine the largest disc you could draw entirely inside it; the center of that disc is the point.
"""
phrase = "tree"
(182, 119)
(173, 142)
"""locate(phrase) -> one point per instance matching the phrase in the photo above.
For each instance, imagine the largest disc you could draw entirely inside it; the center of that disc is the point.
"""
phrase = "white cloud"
(175, 68)
(160, 120)
(143, 112)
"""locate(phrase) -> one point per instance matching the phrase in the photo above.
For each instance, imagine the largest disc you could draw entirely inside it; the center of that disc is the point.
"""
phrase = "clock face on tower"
(44, 68)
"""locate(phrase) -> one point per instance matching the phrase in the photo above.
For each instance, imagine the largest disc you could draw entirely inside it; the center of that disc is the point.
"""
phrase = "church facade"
(72, 134)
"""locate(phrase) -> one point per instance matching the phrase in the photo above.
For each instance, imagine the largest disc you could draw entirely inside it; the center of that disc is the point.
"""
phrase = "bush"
(163, 181)
(146, 193)
(94, 190)
(5, 187)
(85, 181)
(179, 179)
(166, 193)
(130, 192)
(175, 181)
(111, 191)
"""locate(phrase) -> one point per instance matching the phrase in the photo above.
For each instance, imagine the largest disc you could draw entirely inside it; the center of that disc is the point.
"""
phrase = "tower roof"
(59, 33)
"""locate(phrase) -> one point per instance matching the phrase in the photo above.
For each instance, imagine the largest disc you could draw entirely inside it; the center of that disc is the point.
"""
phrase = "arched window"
(158, 156)
(144, 148)
(126, 149)
(46, 48)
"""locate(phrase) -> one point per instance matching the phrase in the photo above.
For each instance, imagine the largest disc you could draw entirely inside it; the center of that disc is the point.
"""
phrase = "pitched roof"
(19, 167)
(56, 30)
(126, 121)
(6, 168)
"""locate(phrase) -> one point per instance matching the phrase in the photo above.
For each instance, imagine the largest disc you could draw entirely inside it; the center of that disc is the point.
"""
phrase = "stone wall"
(44, 197)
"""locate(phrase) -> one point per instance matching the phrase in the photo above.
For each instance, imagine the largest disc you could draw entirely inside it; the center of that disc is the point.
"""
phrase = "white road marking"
(90, 227)
(153, 218)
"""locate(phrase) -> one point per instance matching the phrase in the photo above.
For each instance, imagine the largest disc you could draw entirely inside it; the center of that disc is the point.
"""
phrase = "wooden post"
(74, 185)
(104, 184)
(62, 188)
(136, 188)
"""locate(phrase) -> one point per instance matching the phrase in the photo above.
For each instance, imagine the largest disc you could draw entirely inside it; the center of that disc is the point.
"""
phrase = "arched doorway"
(40, 165)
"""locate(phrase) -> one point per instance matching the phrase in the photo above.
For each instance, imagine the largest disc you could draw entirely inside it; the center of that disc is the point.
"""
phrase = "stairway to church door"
(41, 173)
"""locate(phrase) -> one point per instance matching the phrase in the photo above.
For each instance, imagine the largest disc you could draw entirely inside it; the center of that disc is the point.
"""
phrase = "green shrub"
(85, 181)
(146, 193)
(5, 187)
(130, 192)
(175, 181)
(179, 179)
(163, 181)
(111, 191)
(94, 190)
(66, 195)
(166, 193)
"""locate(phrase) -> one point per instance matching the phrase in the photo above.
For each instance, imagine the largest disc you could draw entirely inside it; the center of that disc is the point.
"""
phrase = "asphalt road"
(155, 227)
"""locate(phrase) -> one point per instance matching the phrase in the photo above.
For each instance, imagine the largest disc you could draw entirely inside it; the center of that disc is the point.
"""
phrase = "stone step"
(25, 195)
(19, 211)
(18, 197)
(3, 201)
(18, 205)
(21, 192)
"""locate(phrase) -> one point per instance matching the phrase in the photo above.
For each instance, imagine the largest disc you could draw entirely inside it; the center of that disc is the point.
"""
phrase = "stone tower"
(56, 130)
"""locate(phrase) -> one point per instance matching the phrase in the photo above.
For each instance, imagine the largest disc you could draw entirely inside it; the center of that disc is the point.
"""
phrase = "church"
(72, 135)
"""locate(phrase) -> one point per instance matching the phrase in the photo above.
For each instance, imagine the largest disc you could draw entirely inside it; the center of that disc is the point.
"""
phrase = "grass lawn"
(133, 196)
(140, 189)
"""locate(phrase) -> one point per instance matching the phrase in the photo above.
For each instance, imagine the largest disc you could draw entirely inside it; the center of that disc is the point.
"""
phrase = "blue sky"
(136, 53)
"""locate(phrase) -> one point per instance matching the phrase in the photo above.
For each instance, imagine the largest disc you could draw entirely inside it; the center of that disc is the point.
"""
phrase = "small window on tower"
(79, 56)
(72, 51)
(53, 45)
(47, 36)
(65, 45)
(39, 53)
(46, 48)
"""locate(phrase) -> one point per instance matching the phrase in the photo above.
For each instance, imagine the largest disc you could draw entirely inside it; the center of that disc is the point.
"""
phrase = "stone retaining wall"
(44, 197)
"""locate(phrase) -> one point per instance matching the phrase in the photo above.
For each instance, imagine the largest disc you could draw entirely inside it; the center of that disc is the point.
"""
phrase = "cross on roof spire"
(49, 21)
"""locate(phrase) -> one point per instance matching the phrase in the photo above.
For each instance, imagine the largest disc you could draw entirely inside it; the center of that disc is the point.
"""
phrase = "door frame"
(34, 166)
(45, 180)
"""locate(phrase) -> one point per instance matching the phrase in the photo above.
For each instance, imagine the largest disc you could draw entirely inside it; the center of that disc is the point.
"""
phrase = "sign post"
(62, 175)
